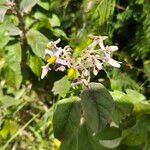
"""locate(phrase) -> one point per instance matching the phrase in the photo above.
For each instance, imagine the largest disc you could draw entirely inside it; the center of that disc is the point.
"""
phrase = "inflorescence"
(79, 69)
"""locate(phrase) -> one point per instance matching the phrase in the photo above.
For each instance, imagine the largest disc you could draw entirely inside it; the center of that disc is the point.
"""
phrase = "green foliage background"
(27, 103)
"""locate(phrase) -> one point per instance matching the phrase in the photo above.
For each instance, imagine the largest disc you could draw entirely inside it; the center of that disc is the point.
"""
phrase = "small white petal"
(114, 63)
(107, 56)
(57, 41)
(98, 64)
(85, 72)
(112, 48)
(93, 44)
(61, 68)
(62, 62)
(95, 71)
(48, 52)
(58, 52)
(101, 44)
(104, 37)
(45, 71)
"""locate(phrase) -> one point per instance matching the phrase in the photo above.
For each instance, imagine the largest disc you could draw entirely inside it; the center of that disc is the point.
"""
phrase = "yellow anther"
(51, 59)
(71, 73)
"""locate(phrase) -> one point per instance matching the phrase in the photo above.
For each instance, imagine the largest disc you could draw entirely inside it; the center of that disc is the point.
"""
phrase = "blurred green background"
(26, 101)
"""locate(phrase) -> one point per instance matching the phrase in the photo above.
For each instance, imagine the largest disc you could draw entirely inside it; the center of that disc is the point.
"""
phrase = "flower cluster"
(80, 68)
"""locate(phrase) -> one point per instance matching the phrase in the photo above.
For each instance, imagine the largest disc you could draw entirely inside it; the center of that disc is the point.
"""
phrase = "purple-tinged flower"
(111, 61)
(45, 70)
(54, 57)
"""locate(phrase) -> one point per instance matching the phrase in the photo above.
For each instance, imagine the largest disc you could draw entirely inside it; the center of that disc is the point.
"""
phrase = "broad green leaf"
(54, 21)
(110, 137)
(26, 5)
(4, 38)
(71, 143)
(138, 133)
(3, 10)
(141, 105)
(10, 128)
(66, 118)
(98, 106)
(37, 41)
(123, 106)
(135, 96)
(109, 133)
(44, 4)
(62, 86)
(111, 143)
(35, 63)
(58, 32)
(86, 140)
(12, 68)
(7, 101)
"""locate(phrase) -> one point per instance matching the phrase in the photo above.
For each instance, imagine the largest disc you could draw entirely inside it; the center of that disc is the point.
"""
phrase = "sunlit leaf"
(123, 106)
(37, 41)
(12, 68)
(138, 133)
(44, 4)
(7, 101)
(26, 5)
(62, 86)
(35, 64)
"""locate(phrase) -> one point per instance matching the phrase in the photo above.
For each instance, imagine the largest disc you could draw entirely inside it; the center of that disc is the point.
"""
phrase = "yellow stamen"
(51, 59)
(71, 73)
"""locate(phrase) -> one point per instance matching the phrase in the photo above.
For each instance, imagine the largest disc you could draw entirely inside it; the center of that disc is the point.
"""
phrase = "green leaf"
(54, 21)
(123, 106)
(35, 63)
(111, 143)
(109, 137)
(10, 128)
(135, 96)
(71, 144)
(12, 68)
(86, 140)
(44, 4)
(141, 105)
(109, 133)
(138, 133)
(7, 101)
(4, 39)
(97, 105)
(147, 69)
(66, 118)
(62, 86)
(37, 41)
(26, 5)
(58, 32)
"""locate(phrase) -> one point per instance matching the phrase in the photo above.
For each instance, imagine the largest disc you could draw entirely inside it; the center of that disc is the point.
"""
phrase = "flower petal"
(101, 44)
(62, 62)
(48, 52)
(98, 64)
(45, 71)
(58, 52)
(114, 63)
(112, 48)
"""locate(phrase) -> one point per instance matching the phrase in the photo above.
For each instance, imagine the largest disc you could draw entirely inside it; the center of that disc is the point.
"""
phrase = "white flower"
(111, 48)
(54, 57)
(111, 61)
